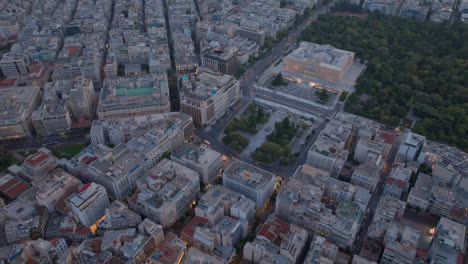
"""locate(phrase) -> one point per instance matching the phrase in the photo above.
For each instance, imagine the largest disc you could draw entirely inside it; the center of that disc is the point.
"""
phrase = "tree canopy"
(411, 65)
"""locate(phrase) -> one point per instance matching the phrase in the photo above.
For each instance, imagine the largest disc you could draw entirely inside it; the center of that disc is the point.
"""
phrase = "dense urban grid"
(233, 131)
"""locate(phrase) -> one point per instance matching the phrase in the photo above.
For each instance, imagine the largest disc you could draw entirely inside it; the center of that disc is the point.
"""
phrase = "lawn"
(71, 150)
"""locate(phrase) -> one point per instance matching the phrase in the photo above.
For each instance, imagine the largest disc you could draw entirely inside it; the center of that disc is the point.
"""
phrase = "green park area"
(248, 122)
(278, 144)
(68, 150)
(410, 66)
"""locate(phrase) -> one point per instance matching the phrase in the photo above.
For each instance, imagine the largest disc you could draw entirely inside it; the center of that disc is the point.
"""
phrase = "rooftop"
(422, 188)
(452, 233)
(196, 256)
(326, 55)
(197, 221)
(196, 154)
(248, 175)
(170, 251)
(16, 103)
(135, 92)
(36, 158)
(12, 186)
(207, 84)
(400, 173)
(87, 192)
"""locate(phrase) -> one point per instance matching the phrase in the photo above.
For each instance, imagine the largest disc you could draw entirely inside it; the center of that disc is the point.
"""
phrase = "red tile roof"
(189, 229)
(35, 68)
(65, 230)
(399, 183)
(82, 230)
(8, 82)
(388, 137)
(273, 230)
(55, 241)
(73, 51)
(85, 187)
(5, 187)
(14, 187)
(37, 158)
(96, 245)
(19, 189)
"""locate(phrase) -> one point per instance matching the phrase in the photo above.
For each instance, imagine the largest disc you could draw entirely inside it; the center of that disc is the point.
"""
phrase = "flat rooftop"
(136, 91)
(207, 84)
(248, 175)
(197, 155)
(15, 102)
(326, 55)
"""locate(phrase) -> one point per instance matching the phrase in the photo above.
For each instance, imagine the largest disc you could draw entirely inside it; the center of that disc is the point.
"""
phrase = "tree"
(278, 80)
(240, 71)
(267, 152)
(343, 96)
(286, 123)
(410, 64)
(166, 155)
(236, 141)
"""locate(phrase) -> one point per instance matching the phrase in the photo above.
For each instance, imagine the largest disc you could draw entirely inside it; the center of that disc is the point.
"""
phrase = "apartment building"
(276, 241)
(367, 174)
(420, 194)
(338, 191)
(341, 228)
(165, 191)
(56, 189)
(321, 251)
(12, 187)
(119, 216)
(299, 201)
(223, 60)
(90, 203)
(388, 210)
(14, 64)
(16, 107)
(443, 200)
(387, 7)
(51, 119)
(449, 242)
(195, 256)
(411, 146)
(117, 168)
(397, 182)
(208, 96)
(229, 231)
(329, 152)
(401, 245)
(167, 127)
(203, 160)
(38, 164)
(216, 203)
(243, 209)
(252, 32)
(250, 181)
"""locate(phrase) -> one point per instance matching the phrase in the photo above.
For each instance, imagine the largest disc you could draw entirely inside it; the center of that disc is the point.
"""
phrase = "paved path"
(257, 139)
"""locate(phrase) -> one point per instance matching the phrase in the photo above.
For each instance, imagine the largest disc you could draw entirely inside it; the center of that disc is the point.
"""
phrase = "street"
(214, 132)
(374, 201)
